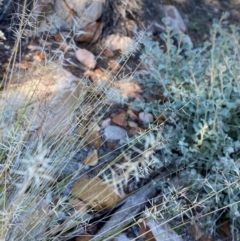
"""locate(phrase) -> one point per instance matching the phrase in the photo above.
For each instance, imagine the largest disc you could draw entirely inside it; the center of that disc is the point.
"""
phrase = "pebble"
(86, 58)
(106, 122)
(114, 133)
(145, 117)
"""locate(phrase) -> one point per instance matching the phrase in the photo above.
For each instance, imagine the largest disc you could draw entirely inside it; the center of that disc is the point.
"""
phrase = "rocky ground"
(93, 52)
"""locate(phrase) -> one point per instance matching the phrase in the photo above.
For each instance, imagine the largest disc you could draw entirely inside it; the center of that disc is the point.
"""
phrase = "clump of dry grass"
(45, 114)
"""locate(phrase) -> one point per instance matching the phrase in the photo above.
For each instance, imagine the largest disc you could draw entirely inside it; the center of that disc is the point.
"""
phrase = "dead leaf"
(95, 139)
(22, 65)
(224, 228)
(95, 193)
(92, 159)
(83, 238)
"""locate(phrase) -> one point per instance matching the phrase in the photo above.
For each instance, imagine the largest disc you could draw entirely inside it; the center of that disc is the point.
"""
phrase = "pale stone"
(64, 12)
(71, 15)
(88, 11)
(106, 122)
(49, 94)
(114, 133)
(145, 117)
(86, 58)
(128, 88)
(173, 19)
(115, 42)
(132, 124)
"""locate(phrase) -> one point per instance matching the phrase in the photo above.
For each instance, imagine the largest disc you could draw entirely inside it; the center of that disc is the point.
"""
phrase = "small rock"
(87, 11)
(93, 126)
(2, 37)
(106, 122)
(39, 56)
(95, 193)
(86, 58)
(135, 130)
(22, 65)
(128, 88)
(145, 117)
(132, 115)
(91, 75)
(113, 65)
(98, 72)
(119, 119)
(102, 75)
(115, 42)
(114, 133)
(174, 19)
(90, 33)
(132, 124)
(108, 53)
(130, 27)
(79, 205)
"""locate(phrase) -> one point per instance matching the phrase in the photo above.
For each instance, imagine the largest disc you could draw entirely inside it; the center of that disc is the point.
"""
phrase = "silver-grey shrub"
(202, 112)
